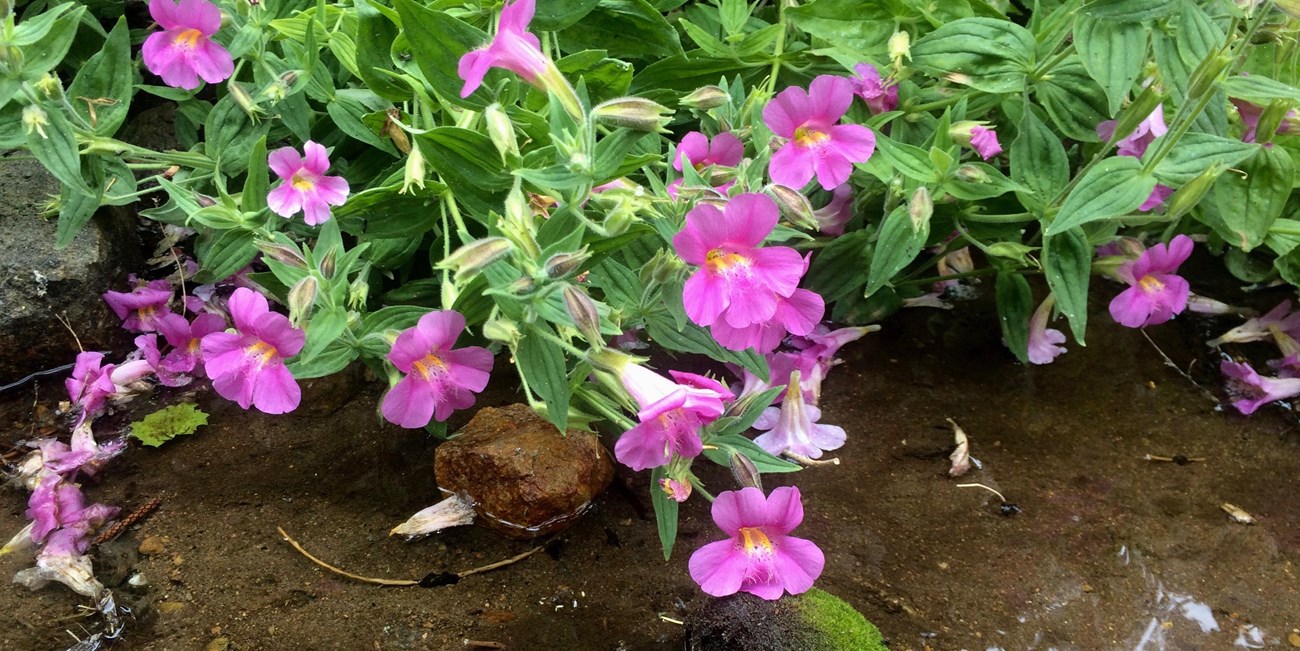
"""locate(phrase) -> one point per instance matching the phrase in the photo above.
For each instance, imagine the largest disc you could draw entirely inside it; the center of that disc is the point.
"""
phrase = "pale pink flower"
(1250, 391)
(1262, 328)
(304, 186)
(671, 415)
(1044, 342)
(816, 143)
(247, 366)
(758, 557)
(184, 51)
(439, 378)
(794, 428)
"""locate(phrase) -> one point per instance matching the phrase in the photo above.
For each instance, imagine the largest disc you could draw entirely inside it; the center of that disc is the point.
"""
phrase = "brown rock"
(152, 546)
(525, 478)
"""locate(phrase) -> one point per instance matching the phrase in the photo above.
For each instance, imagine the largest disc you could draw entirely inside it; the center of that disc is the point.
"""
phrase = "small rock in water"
(525, 478)
(812, 621)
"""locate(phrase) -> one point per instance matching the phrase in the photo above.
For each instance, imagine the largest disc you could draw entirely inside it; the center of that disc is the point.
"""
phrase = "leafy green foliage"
(167, 423)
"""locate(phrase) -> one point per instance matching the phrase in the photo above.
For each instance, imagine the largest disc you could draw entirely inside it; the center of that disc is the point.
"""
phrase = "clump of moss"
(813, 621)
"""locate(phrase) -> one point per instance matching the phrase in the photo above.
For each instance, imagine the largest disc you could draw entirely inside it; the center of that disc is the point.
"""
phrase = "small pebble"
(219, 644)
(1293, 638)
(152, 546)
(169, 607)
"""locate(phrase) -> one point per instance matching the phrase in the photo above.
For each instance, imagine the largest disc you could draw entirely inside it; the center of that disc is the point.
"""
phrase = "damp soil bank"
(1108, 550)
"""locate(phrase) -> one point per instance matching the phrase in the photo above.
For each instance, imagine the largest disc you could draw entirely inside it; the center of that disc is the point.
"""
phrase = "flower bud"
(920, 207)
(244, 100)
(1186, 197)
(521, 286)
(705, 98)
(449, 293)
(661, 268)
(301, 298)
(1273, 121)
(284, 253)
(584, 314)
(744, 471)
(35, 119)
(634, 113)
(414, 173)
(50, 86)
(678, 490)
(328, 262)
(900, 46)
(358, 293)
(475, 256)
(972, 174)
(500, 130)
(564, 264)
(793, 204)
(502, 330)
(1206, 75)
(960, 132)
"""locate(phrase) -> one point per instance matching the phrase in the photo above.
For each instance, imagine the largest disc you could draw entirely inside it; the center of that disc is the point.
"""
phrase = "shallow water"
(1108, 552)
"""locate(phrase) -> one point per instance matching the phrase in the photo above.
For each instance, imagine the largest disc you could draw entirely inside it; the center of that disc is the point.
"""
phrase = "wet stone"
(812, 621)
(525, 478)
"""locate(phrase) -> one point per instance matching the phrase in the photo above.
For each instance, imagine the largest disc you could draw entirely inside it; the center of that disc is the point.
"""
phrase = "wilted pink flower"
(1044, 342)
(1156, 293)
(1251, 391)
(92, 382)
(513, 48)
(835, 215)
(817, 144)
(985, 142)
(1262, 328)
(758, 557)
(671, 413)
(868, 85)
(699, 152)
(140, 308)
(736, 279)
(677, 490)
(184, 50)
(818, 350)
(794, 428)
(247, 366)
(186, 355)
(439, 379)
(304, 186)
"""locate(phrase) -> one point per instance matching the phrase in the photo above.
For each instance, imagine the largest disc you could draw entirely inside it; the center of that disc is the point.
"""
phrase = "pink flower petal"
(246, 307)
(644, 446)
(284, 161)
(733, 510)
(749, 218)
(705, 296)
(315, 159)
(276, 391)
(798, 562)
(792, 165)
(829, 97)
(694, 147)
(787, 111)
(409, 404)
(784, 510)
(726, 149)
(211, 61)
(198, 14)
(719, 568)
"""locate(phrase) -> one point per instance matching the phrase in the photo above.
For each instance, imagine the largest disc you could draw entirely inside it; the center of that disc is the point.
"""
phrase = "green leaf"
(763, 460)
(336, 357)
(860, 26)
(627, 29)
(375, 35)
(76, 207)
(1250, 202)
(167, 423)
(1129, 10)
(690, 338)
(42, 54)
(896, 247)
(1072, 100)
(1067, 259)
(892, 156)
(384, 213)
(605, 78)
(257, 185)
(222, 253)
(541, 363)
(105, 79)
(665, 511)
(1114, 188)
(991, 182)
(1038, 162)
(57, 150)
(230, 135)
(348, 109)
(991, 55)
(437, 43)
(1015, 304)
(393, 317)
(1259, 89)
(1197, 152)
(1113, 53)
(841, 267)
(1198, 34)
(555, 15)
(325, 327)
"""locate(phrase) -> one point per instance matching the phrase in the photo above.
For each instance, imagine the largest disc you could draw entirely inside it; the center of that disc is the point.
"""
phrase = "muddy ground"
(1108, 551)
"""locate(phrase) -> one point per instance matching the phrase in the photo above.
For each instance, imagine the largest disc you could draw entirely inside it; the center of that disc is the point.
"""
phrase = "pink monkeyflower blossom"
(1156, 293)
(985, 142)
(1044, 342)
(140, 308)
(184, 51)
(793, 429)
(671, 413)
(736, 279)
(796, 314)
(1251, 113)
(868, 85)
(698, 151)
(1135, 144)
(304, 186)
(247, 366)
(1250, 391)
(1263, 328)
(439, 379)
(759, 557)
(816, 143)
(836, 214)
(185, 337)
(513, 48)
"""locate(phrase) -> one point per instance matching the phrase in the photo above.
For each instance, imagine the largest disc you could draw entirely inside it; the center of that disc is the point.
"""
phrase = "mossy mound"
(812, 621)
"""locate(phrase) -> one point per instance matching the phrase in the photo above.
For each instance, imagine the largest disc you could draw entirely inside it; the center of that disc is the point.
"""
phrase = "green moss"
(839, 624)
